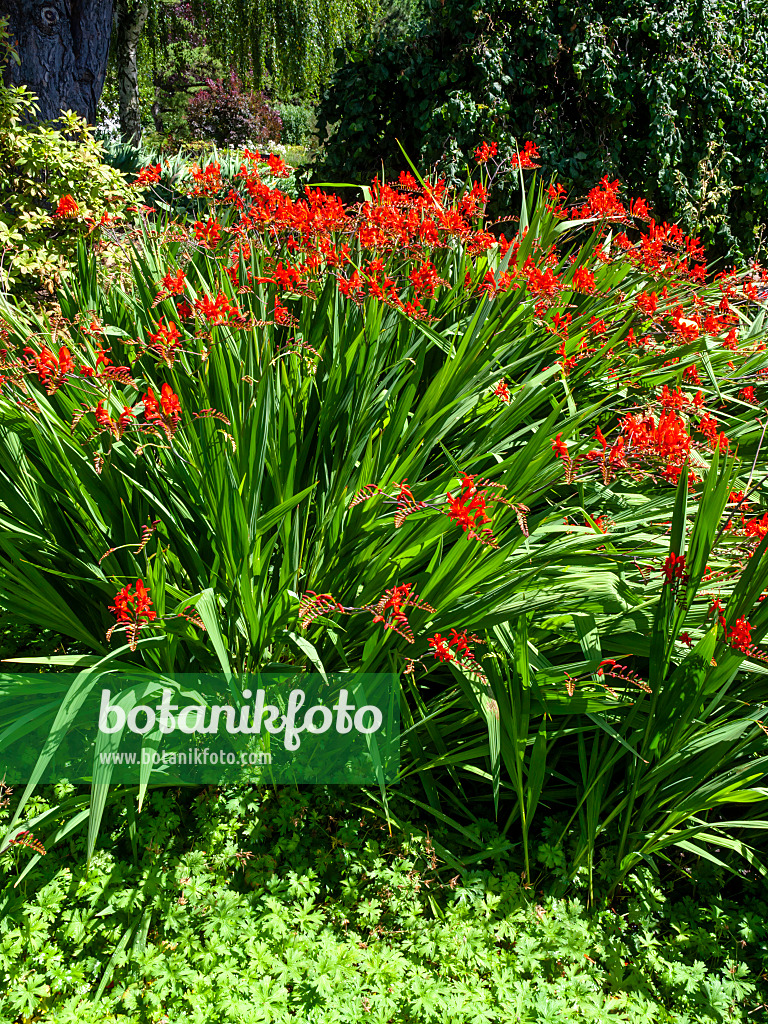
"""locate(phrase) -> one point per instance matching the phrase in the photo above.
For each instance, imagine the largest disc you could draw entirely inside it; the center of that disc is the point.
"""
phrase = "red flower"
(461, 643)
(647, 303)
(484, 151)
(148, 175)
(672, 400)
(166, 337)
(207, 234)
(425, 279)
(151, 407)
(667, 440)
(48, 365)
(526, 158)
(395, 599)
(174, 284)
(133, 608)
(216, 310)
(708, 426)
(282, 316)
(739, 635)
(502, 391)
(67, 207)
(560, 448)
(673, 568)
(468, 509)
(748, 395)
(103, 418)
(583, 280)
(207, 181)
(277, 166)
(639, 208)
(457, 646)
(66, 363)
(170, 404)
(125, 418)
(716, 606)
(439, 644)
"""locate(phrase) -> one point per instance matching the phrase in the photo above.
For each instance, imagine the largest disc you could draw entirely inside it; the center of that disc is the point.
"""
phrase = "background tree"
(130, 17)
(668, 96)
(63, 48)
(286, 46)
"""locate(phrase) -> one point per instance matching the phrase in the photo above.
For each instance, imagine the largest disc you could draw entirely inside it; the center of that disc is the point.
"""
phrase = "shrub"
(671, 99)
(231, 116)
(54, 190)
(298, 123)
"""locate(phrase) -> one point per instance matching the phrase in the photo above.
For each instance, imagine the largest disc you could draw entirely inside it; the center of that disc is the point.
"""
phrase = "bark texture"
(130, 17)
(63, 46)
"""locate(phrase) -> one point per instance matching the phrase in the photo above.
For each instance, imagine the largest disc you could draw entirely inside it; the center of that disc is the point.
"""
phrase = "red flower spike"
(674, 569)
(207, 234)
(170, 404)
(148, 175)
(406, 504)
(739, 635)
(67, 207)
(439, 645)
(151, 407)
(502, 391)
(314, 606)
(52, 369)
(174, 284)
(485, 151)
(103, 418)
(468, 509)
(389, 609)
(132, 609)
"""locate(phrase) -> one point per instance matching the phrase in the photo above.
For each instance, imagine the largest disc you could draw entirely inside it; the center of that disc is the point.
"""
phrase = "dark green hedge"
(669, 97)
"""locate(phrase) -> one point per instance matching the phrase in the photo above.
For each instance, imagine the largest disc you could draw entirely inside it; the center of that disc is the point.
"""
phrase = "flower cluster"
(133, 610)
(455, 647)
(67, 207)
(470, 508)
(674, 570)
(389, 609)
(148, 175)
(51, 369)
(166, 412)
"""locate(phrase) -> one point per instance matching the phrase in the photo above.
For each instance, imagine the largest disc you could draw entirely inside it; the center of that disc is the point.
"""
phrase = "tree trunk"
(130, 17)
(63, 46)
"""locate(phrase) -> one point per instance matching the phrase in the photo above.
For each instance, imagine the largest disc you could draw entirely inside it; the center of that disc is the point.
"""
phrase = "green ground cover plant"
(235, 905)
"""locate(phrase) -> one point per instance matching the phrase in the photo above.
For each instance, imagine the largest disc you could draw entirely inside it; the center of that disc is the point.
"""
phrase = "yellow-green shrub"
(41, 164)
